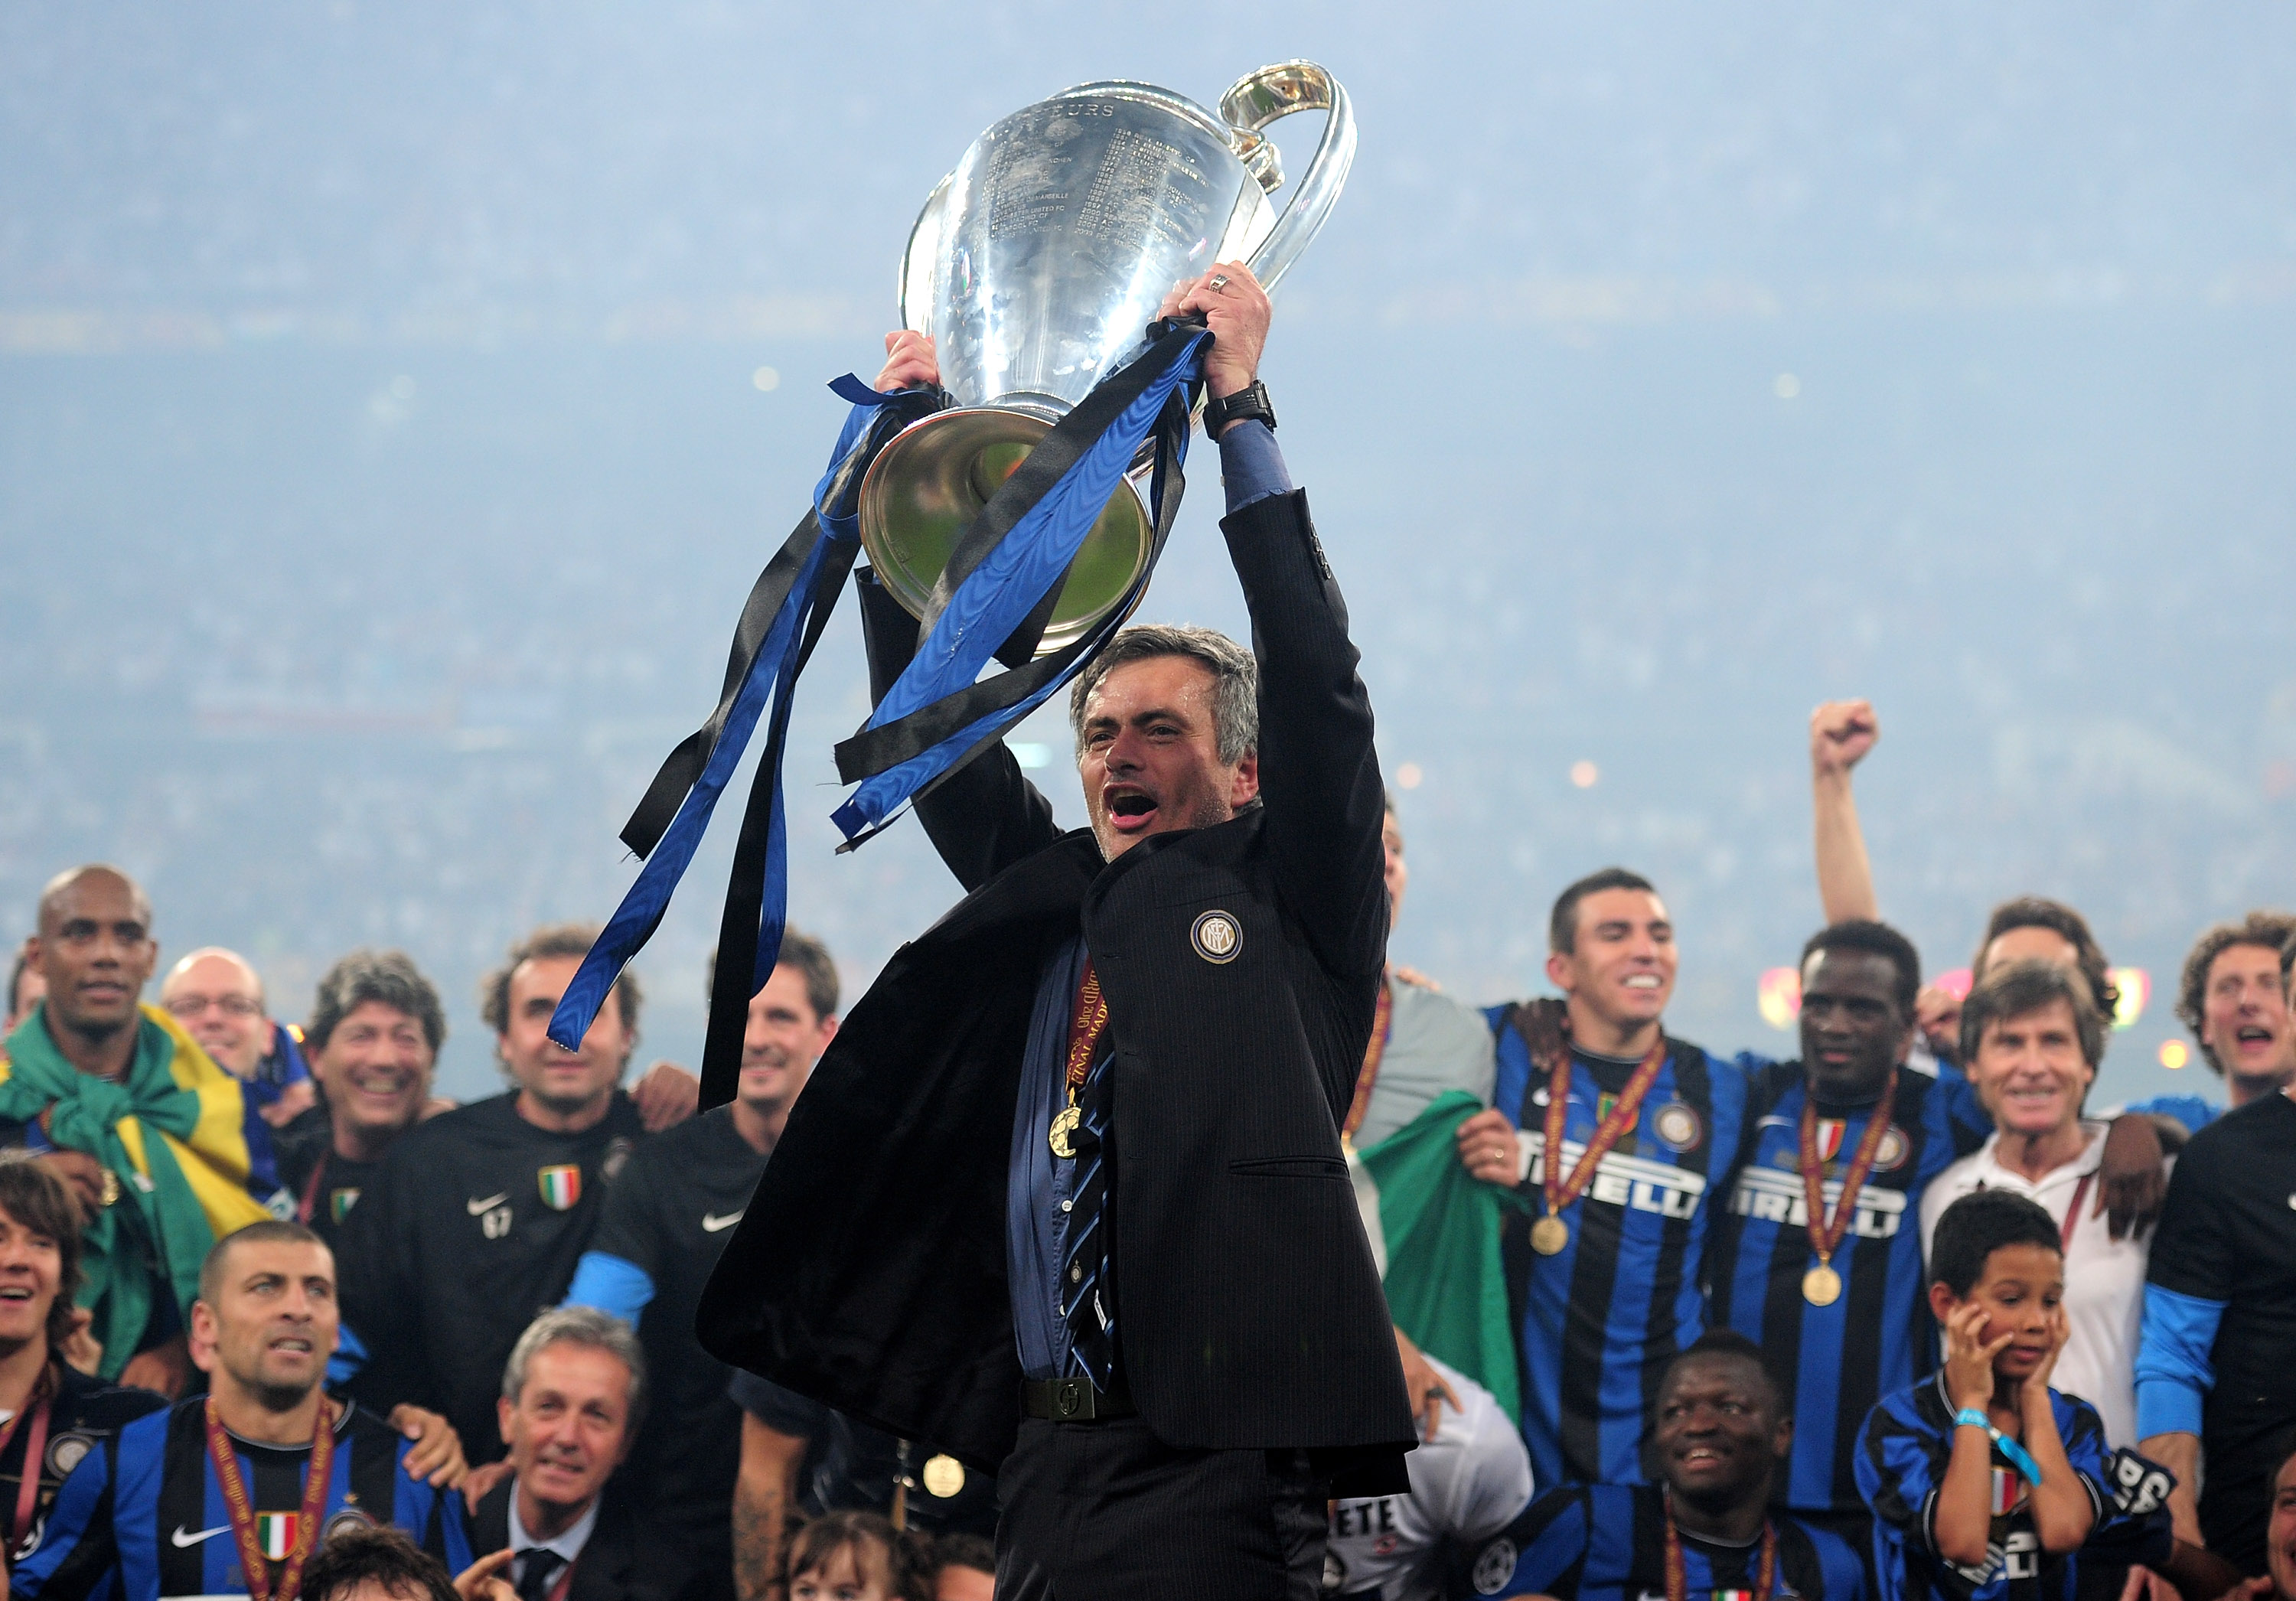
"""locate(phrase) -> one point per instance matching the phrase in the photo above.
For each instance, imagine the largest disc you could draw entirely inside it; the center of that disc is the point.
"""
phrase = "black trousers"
(1107, 1512)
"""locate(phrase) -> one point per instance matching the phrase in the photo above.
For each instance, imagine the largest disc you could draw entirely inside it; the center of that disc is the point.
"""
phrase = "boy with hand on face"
(1985, 1483)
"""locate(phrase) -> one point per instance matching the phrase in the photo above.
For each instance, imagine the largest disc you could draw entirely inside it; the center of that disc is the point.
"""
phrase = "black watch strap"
(1250, 401)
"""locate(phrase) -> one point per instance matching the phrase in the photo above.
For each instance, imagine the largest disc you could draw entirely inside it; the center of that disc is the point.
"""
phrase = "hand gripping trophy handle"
(1263, 97)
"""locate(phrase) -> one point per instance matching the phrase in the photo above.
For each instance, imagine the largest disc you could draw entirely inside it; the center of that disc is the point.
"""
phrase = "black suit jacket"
(608, 1569)
(869, 1271)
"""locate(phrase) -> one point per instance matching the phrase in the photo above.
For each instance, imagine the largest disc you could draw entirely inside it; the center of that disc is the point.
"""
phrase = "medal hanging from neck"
(35, 1408)
(1678, 1573)
(1085, 1026)
(1382, 1019)
(1821, 1284)
(1551, 1233)
(255, 1556)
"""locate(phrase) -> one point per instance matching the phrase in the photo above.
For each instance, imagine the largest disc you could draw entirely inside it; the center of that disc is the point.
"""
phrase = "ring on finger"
(1218, 282)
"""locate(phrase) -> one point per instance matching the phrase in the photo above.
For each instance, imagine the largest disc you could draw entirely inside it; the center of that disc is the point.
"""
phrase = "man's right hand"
(910, 362)
(82, 1176)
(1840, 732)
(1937, 1014)
(488, 1578)
(1488, 1150)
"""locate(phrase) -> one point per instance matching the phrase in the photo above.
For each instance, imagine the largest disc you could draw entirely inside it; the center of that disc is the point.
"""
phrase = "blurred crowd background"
(397, 402)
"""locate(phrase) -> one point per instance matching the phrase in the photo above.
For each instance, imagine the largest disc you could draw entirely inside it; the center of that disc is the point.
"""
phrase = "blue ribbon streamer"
(997, 594)
(772, 673)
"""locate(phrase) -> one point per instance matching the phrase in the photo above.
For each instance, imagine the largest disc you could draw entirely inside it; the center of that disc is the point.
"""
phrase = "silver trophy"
(1036, 265)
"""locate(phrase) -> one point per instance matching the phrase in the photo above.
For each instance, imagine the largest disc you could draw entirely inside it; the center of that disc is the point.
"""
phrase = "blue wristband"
(2018, 1457)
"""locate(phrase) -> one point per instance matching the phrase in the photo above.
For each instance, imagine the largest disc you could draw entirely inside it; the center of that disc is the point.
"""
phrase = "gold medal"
(1549, 1235)
(110, 1195)
(944, 1476)
(1065, 1122)
(1821, 1286)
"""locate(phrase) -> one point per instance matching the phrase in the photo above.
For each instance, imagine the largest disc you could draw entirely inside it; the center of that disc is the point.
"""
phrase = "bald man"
(218, 996)
(87, 1059)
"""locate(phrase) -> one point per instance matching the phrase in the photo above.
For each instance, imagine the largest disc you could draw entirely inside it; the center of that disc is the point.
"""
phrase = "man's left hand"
(2131, 1184)
(1236, 309)
(438, 1454)
(666, 1096)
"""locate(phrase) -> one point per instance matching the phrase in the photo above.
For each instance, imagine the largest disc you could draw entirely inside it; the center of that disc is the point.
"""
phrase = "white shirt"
(568, 1545)
(2105, 1278)
(1466, 1484)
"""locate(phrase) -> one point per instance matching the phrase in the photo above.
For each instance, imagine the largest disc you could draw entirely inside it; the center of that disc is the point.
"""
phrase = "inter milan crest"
(560, 1186)
(1677, 1127)
(1218, 936)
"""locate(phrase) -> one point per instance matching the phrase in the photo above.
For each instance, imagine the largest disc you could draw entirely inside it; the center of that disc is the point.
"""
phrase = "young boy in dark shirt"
(1985, 1483)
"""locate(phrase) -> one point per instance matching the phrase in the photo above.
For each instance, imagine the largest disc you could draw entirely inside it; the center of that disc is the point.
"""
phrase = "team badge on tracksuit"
(561, 1186)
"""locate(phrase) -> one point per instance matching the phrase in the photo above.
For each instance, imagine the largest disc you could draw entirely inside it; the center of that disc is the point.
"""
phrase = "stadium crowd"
(1906, 1316)
(1903, 1318)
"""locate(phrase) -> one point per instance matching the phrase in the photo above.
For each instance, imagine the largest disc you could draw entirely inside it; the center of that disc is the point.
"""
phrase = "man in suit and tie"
(1066, 1192)
(573, 1395)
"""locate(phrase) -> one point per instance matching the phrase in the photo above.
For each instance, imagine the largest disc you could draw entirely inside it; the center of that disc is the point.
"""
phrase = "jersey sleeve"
(1966, 1114)
(433, 1518)
(78, 1556)
(1548, 1542)
(1488, 1474)
(2082, 1430)
(784, 1411)
(1899, 1461)
(629, 1226)
(2190, 1278)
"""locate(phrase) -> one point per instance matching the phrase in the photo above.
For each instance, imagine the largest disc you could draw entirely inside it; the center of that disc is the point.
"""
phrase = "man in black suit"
(572, 1398)
(1066, 1194)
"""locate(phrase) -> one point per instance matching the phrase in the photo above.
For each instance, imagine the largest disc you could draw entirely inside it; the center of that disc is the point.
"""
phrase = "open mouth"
(2252, 1035)
(294, 1345)
(15, 1293)
(1642, 981)
(1130, 811)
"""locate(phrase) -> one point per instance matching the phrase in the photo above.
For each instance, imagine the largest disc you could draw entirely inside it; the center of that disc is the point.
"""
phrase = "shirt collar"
(568, 1545)
(2091, 1158)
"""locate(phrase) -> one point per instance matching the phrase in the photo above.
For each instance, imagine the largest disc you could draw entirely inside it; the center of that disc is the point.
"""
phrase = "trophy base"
(925, 488)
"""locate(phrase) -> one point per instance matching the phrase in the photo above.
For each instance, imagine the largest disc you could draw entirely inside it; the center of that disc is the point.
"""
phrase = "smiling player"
(1719, 1427)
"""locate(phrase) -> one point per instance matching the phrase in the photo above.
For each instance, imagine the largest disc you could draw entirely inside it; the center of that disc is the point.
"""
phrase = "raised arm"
(1319, 774)
(1840, 732)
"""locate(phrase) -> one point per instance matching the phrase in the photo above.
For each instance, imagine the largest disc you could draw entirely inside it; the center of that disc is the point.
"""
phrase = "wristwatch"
(1250, 401)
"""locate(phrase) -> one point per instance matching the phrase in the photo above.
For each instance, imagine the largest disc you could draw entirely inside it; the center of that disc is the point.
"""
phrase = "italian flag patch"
(561, 1186)
(2008, 1489)
(275, 1532)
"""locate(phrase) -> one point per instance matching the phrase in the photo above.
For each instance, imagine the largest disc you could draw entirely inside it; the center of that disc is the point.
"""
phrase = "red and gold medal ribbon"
(1621, 1117)
(1678, 1576)
(36, 1443)
(1380, 1021)
(1825, 1232)
(315, 1475)
(1085, 1026)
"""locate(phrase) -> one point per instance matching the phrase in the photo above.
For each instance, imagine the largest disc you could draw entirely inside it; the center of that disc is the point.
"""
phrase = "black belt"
(1074, 1400)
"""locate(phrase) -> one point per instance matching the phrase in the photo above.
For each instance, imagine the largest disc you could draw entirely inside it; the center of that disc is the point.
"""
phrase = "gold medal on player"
(1064, 1126)
(944, 1476)
(1549, 1235)
(1821, 1284)
(1085, 1029)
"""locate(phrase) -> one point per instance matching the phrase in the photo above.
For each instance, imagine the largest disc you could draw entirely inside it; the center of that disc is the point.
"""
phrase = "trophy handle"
(919, 259)
(1258, 99)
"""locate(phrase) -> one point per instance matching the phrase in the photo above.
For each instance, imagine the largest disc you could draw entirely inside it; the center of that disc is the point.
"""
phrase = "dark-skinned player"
(1720, 1430)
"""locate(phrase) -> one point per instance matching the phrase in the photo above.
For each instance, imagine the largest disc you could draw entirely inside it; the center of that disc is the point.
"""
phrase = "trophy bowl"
(1036, 265)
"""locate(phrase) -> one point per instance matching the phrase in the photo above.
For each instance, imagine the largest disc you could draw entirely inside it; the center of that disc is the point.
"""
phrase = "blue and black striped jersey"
(1607, 1542)
(1901, 1460)
(142, 1517)
(1597, 1323)
(1878, 1335)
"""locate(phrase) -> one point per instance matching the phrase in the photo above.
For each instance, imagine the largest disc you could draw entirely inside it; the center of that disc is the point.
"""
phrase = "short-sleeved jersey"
(473, 1227)
(1598, 1322)
(669, 1216)
(1607, 1542)
(1878, 1336)
(2225, 1255)
(142, 1514)
(1901, 1461)
(84, 1412)
(1467, 1483)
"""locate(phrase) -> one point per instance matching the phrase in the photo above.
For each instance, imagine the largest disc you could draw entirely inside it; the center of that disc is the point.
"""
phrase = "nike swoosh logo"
(711, 1222)
(488, 1205)
(182, 1536)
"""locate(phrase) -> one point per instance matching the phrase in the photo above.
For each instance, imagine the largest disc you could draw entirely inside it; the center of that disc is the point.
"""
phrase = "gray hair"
(2023, 989)
(583, 1325)
(388, 976)
(1235, 679)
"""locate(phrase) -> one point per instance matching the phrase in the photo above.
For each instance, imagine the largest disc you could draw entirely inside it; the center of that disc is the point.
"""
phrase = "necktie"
(1086, 1304)
(539, 1570)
